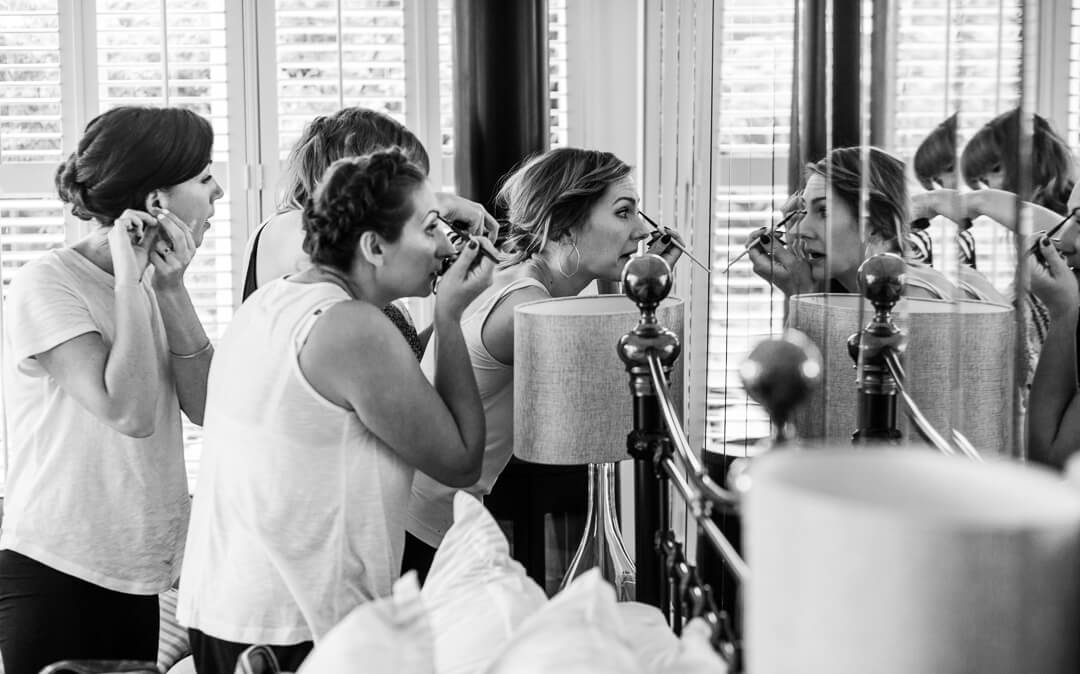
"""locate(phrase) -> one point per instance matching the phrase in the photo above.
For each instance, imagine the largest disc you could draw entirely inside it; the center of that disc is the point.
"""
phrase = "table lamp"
(958, 360)
(572, 406)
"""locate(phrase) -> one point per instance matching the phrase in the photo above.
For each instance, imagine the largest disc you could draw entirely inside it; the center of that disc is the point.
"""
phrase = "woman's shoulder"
(929, 282)
(280, 249)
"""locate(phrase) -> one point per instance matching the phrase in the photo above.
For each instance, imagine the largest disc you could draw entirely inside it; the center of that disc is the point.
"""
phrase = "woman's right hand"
(777, 264)
(464, 281)
(131, 239)
(1054, 283)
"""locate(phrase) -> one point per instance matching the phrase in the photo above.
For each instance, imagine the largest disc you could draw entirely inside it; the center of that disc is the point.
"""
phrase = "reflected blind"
(750, 155)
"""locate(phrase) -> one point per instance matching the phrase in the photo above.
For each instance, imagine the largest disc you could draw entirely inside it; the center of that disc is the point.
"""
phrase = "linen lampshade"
(907, 560)
(959, 364)
(572, 402)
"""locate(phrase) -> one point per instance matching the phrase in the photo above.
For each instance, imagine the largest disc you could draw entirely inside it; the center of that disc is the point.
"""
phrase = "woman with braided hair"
(318, 415)
(103, 350)
(276, 247)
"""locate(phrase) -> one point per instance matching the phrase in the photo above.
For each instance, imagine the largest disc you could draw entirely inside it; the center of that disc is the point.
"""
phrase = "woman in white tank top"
(573, 220)
(317, 415)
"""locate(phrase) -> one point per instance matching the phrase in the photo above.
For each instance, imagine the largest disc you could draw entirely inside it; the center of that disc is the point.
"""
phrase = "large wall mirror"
(938, 87)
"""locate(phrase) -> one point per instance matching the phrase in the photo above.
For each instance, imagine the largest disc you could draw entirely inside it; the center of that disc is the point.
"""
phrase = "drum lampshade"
(906, 560)
(572, 402)
(959, 364)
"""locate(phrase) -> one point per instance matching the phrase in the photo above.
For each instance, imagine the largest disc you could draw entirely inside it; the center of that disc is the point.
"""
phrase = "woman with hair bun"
(573, 219)
(100, 358)
(318, 415)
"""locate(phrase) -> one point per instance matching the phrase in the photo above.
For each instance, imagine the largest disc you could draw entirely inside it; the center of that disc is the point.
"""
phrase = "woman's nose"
(1068, 236)
(642, 230)
(218, 191)
(445, 247)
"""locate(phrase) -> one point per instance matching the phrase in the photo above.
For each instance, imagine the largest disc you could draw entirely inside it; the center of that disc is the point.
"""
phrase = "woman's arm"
(119, 384)
(355, 358)
(1054, 404)
(190, 351)
(998, 205)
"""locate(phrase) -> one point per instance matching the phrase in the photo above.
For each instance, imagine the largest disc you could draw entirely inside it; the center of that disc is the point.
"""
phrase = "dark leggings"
(217, 656)
(46, 616)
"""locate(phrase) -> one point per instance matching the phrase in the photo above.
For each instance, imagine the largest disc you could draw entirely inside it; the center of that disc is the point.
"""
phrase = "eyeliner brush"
(675, 243)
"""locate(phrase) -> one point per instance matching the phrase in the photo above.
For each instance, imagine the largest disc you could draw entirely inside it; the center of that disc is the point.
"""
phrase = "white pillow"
(579, 630)
(476, 595)
(391, 634)
(659, 651)
(650, 637)
(696, 654)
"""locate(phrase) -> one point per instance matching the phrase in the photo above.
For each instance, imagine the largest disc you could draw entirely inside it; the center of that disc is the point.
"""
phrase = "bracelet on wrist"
(193, 354)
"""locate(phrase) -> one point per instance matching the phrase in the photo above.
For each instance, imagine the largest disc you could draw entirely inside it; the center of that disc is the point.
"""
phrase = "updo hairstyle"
(356, 195)
(843, 169)
(552, 194)
(128, 152)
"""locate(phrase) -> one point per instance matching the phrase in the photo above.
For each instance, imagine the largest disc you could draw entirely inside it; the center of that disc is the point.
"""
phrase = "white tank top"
(299, 515)
(431, 508)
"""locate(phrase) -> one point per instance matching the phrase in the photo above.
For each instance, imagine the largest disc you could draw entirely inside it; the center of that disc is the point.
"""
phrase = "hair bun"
(70, 189)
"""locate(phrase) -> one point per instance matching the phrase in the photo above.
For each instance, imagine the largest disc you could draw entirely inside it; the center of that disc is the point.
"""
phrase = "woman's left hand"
(665, 246)
(173, 251)
(1054, 283)
(459, 209)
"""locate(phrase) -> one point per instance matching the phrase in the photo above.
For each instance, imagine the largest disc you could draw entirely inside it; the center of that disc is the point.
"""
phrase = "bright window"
(62, 62)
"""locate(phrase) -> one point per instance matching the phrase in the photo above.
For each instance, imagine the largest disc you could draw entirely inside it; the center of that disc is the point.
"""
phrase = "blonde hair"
(552, 194)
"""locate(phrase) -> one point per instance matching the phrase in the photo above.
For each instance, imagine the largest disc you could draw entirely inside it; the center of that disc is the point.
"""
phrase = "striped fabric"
(172, 639)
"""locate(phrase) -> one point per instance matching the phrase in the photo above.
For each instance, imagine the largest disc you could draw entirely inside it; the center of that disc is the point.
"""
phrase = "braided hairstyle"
(356, 195)
(552, 194)
(887, 221)
(349, 132)
(128, 152)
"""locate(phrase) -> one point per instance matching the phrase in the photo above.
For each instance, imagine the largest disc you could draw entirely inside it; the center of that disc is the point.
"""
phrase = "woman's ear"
(371, 248)
(155, 201)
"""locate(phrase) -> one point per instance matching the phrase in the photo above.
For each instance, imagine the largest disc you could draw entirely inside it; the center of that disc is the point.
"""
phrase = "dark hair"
(349, 132)
(886, 185)
(936, 153)
(1053, 169)
(128, 152)
(552, 194)
(359, 194)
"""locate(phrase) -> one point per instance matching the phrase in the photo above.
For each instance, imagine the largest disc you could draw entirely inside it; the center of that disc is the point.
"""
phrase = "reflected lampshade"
(959, 365)
(572, 400)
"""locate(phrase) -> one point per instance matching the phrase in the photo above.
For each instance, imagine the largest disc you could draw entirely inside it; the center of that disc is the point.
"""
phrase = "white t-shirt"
(431, 507)
(299, 514)
(82, 497)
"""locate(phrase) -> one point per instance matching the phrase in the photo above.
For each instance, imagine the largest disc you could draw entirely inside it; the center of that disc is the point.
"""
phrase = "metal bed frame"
(663, 458)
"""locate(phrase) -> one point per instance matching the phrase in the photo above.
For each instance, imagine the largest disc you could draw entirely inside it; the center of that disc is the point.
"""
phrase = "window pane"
(30, 125)
(172, 53)
(331, 55)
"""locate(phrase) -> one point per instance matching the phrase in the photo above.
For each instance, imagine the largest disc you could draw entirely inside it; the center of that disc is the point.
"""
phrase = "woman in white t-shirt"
(100, 357)
(318, 414)
(574, 219)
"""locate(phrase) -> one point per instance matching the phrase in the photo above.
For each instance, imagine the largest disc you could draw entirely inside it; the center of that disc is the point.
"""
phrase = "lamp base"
(601, 546)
